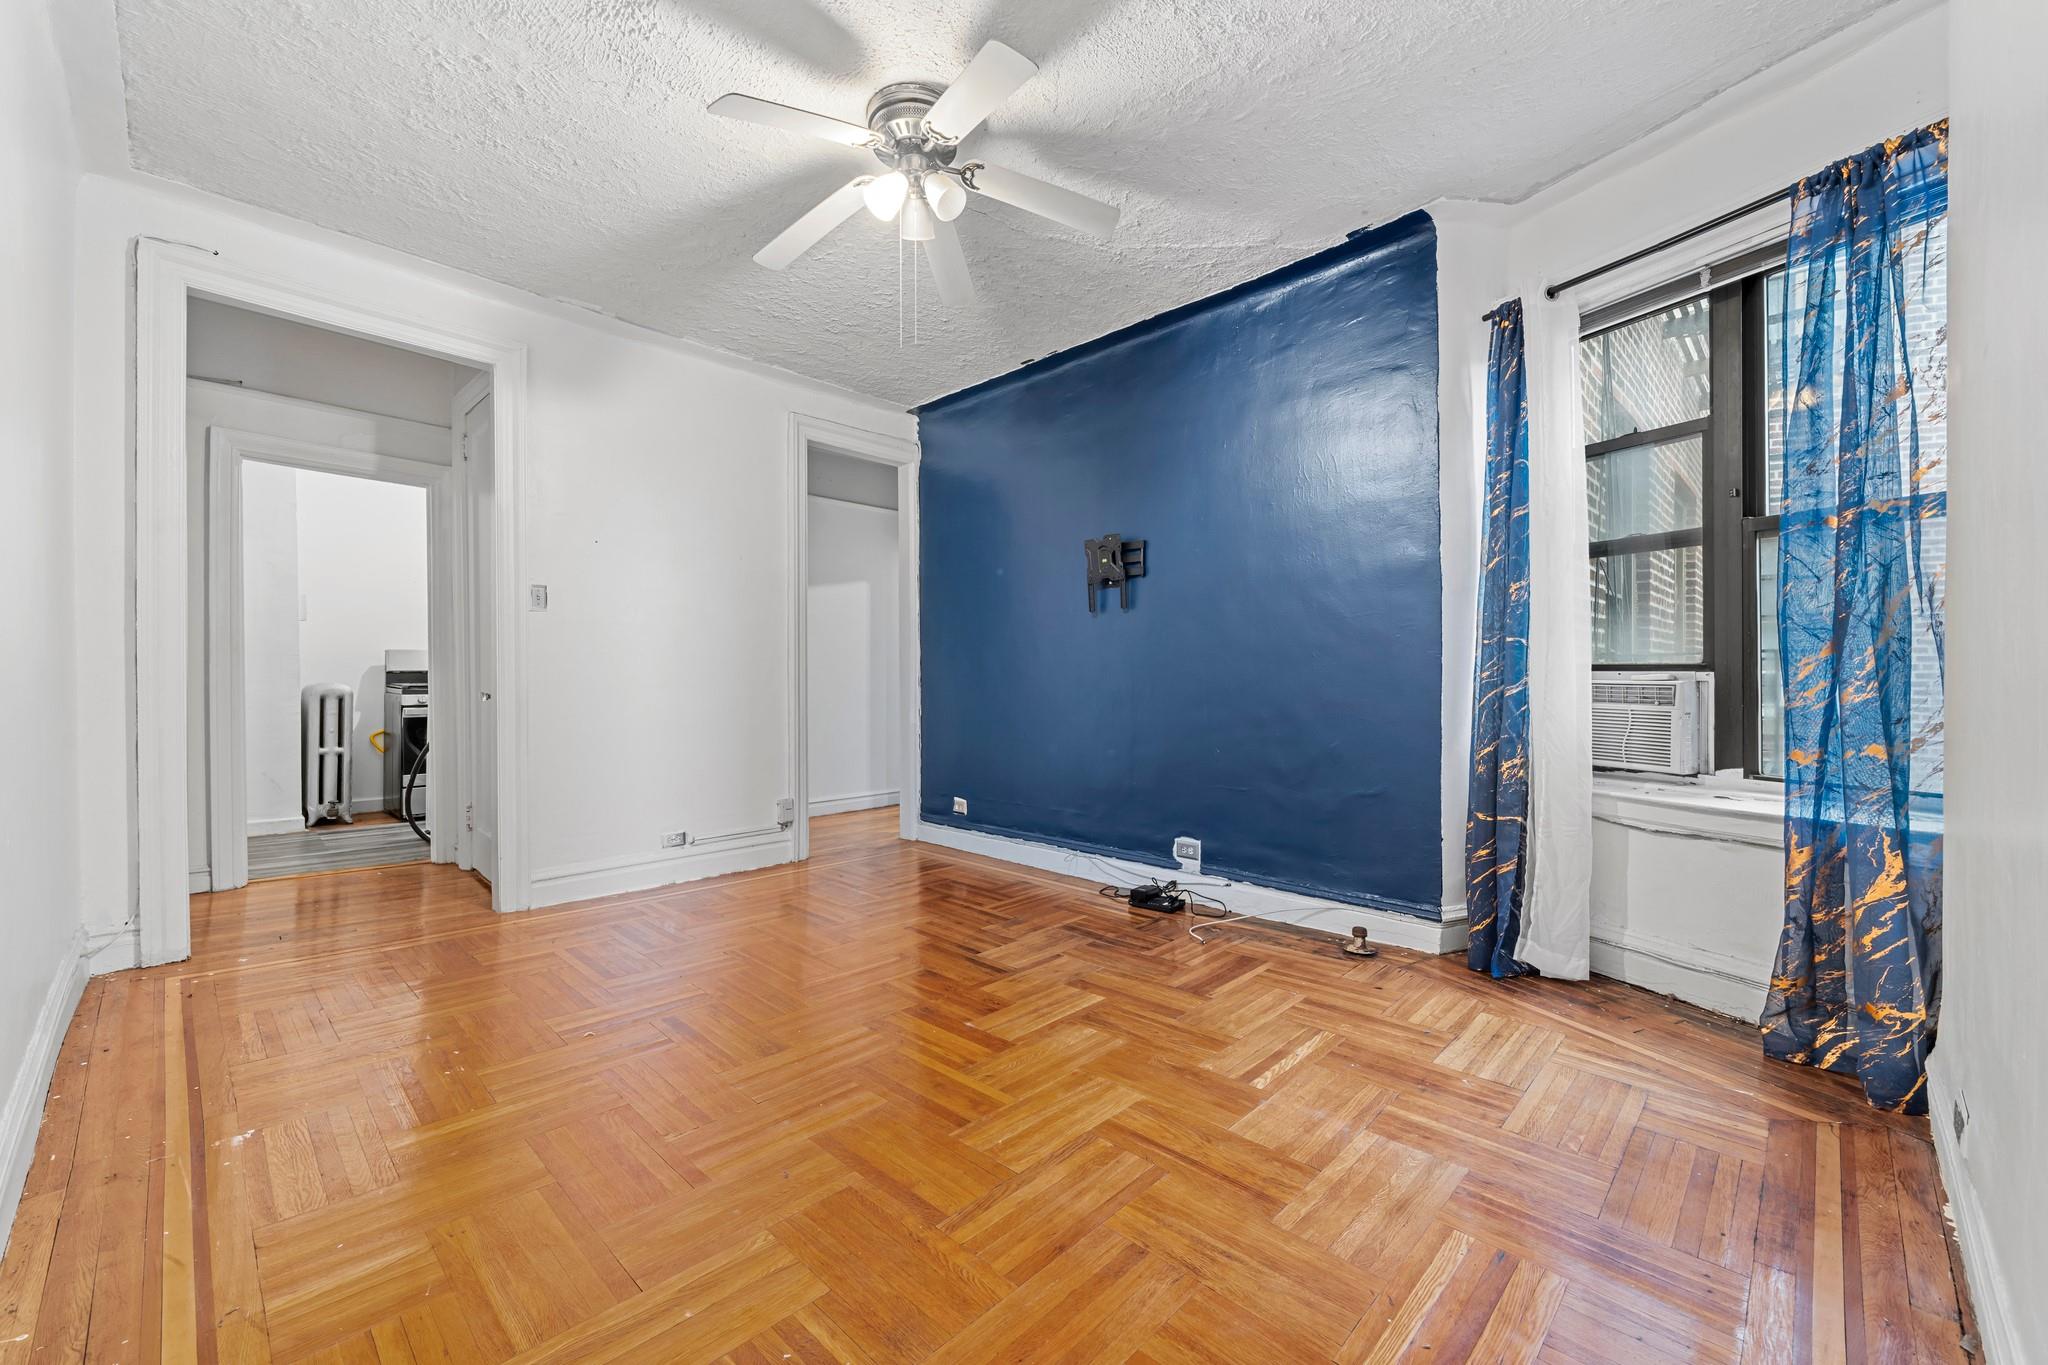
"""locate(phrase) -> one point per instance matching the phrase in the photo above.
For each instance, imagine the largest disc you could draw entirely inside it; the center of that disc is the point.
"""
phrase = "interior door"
(481, 818)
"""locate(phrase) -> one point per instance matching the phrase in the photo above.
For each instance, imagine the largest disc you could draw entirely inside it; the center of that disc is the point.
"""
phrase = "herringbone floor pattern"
(902, 1105)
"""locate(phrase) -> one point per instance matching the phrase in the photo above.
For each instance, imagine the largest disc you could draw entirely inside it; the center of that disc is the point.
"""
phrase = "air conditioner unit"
(1653, 722)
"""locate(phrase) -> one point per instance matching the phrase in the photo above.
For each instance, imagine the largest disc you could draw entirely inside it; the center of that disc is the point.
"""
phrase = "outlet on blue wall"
(1275, 688)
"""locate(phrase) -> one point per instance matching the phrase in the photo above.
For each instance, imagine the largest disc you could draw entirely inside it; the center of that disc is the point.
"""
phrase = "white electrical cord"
(1118, 875)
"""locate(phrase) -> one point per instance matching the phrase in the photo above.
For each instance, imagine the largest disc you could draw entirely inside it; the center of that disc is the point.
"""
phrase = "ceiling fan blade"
(1047, 201)
(807, 231)
(992, 77)
(949, 266)
(791, 120)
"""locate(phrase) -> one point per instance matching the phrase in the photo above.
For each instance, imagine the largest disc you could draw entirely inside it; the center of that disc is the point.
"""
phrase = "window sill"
(1735, 811)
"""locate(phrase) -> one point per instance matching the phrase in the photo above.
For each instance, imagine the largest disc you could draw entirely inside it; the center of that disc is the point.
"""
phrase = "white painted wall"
(39, 804)
(1692, 916)
(657, 683)
(1990, 1052)
(272, 757)
(855, 687)
(270, 650)
(363, 576)
(275, 355)
(1471, 257)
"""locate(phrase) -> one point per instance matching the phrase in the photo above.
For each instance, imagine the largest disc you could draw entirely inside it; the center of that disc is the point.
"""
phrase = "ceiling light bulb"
(946, 195)
(885, 193)
(916, 223)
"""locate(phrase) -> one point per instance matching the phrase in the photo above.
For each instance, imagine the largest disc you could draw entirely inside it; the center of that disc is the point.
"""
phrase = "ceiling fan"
(915, 130)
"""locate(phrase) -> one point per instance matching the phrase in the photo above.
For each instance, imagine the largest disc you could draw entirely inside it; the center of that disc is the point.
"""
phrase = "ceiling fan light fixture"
(914, 129)
(884, 194)
(916, 223)
(946, 196)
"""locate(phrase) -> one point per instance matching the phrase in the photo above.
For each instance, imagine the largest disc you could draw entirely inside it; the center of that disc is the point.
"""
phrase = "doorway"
(854, 531)
(326, 536)
(169, 611)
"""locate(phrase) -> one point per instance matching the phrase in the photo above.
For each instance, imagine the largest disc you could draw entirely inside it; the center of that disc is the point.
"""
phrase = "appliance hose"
(412, 776)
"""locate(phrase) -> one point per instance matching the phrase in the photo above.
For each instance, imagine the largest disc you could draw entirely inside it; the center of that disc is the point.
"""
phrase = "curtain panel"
(1497, 804)
(1863, 362)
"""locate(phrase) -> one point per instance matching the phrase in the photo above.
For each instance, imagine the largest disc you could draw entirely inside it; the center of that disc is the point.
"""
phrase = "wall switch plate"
(959, 805)
(785, 811)
(678, 839)
(537, 597)
(1188, 853)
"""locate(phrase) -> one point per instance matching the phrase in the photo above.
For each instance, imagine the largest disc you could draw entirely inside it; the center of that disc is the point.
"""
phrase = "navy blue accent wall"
(1275, 689)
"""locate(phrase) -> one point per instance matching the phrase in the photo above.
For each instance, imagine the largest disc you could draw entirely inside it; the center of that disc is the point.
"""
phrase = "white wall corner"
(21, 1116)
(1471, 273)
(89, 46)
(1990, 1294)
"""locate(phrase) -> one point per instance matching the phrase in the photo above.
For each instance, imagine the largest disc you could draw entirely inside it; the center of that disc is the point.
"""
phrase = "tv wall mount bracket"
(1112, 563)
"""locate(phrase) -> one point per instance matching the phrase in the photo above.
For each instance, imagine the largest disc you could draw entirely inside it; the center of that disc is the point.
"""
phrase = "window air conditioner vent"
(1652, 722)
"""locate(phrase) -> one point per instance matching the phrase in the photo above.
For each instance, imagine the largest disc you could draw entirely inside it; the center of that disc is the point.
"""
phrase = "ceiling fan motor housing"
(897, 113)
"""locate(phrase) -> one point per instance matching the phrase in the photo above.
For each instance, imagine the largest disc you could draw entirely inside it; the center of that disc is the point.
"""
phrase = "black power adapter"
(1167, 899)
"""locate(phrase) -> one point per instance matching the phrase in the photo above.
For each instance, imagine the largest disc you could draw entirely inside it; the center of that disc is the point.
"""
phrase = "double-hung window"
(1684, 445)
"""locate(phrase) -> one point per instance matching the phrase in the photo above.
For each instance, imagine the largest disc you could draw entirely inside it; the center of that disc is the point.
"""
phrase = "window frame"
(1755, 519)
(1734, 494)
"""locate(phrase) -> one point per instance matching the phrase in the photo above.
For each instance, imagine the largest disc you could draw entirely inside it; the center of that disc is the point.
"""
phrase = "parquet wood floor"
(901, 1105)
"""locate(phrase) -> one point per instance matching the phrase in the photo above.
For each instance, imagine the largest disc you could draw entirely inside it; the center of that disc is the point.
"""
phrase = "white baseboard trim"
(22, 1116)
(839, 805)
(1286, 907)
(199, 882)
(1698, 976)
(1997, 1329)
(612, 876)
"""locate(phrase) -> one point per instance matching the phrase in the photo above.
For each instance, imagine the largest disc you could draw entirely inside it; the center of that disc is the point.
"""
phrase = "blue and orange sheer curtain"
(1857, 987)
(1497, 806)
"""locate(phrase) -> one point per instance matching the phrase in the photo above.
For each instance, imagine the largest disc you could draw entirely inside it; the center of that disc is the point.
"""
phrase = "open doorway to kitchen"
(325, 546)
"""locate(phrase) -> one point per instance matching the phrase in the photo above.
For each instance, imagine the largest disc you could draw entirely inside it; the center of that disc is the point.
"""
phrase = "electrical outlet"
(785, 811)
(1188, 853)
(537, 597)
(677, 839)
(959, 805)
(1959, 1115)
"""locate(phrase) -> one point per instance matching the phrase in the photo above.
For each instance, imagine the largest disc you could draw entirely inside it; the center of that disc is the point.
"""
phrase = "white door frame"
(805, 432)
(463, 670)
(166, 275)
(226, 677)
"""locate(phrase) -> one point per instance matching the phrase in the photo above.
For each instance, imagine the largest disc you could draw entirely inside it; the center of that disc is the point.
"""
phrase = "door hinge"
(469, 817)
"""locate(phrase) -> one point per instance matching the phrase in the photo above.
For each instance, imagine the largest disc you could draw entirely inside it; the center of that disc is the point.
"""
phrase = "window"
(1684, 404)
(1684, 457)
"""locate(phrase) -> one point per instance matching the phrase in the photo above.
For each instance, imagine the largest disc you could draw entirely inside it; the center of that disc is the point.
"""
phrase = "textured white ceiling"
(562, 145)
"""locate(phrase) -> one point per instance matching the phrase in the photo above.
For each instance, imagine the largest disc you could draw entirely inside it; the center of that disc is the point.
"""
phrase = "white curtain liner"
(1557, 910)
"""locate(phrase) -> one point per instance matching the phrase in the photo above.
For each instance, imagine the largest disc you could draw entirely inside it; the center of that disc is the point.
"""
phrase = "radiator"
(327, 717)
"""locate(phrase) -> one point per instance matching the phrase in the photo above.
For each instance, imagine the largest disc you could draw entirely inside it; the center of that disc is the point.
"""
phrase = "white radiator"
(327, 717)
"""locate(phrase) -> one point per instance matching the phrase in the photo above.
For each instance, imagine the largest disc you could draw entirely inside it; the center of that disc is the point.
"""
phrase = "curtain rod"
(1702, 229)
(1675, 239)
